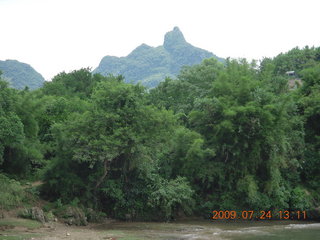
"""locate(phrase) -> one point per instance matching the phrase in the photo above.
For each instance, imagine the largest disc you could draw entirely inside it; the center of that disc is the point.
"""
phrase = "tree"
(118, 138)
(20, 150)
(309, 106)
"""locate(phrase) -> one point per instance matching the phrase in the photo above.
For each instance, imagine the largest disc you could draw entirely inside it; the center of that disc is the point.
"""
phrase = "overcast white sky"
(64, 35)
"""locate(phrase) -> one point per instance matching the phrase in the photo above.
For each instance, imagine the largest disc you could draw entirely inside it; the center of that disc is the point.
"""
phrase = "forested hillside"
(20, 75)
(150, 65)
(229, 136)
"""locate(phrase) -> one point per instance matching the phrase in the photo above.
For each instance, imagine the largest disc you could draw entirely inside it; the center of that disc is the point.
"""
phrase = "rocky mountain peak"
(151, 65)
(173, 38)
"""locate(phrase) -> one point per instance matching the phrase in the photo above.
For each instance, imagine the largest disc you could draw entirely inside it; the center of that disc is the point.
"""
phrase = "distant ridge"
(20, 75)
(150, 65)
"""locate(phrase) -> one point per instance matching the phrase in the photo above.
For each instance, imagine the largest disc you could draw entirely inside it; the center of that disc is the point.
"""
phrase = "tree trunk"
(105, 173)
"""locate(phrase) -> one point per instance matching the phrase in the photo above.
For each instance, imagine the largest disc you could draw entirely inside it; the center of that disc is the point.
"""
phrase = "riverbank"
(23, 229)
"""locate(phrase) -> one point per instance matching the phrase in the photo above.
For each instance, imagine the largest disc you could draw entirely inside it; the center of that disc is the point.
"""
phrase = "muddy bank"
(182, 230)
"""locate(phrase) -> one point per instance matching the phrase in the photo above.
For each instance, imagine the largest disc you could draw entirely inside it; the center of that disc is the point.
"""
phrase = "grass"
(17, 237)
(10, 234)
(16, 222)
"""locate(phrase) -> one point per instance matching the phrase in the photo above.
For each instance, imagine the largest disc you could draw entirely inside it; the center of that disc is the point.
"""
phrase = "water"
(273, 230)
(200, 229)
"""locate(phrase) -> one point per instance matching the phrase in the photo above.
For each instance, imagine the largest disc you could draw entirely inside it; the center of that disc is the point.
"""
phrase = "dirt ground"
(24, 229)
(61, 231)
(55, 231)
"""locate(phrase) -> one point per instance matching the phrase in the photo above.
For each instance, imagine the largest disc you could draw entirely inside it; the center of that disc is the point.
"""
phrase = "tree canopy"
(229, 136)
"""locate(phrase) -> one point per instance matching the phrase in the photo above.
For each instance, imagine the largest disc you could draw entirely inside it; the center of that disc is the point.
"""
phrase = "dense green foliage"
(20, 75)
(150, 65)
(220, 136)
(11, 193)
(252, 137)
(20, 147)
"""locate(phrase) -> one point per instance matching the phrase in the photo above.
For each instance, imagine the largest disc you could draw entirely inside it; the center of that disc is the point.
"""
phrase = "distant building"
(291, 73)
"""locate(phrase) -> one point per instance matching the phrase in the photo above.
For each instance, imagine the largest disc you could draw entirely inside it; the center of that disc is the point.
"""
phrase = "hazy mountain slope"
(150, 65)
(20, 75)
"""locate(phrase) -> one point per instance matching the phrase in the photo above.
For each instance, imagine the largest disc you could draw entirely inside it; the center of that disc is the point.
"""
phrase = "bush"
(170, 196)
(300, 200)
(12, 193)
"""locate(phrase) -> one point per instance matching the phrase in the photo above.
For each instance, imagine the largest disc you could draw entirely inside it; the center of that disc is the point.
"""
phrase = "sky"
(64, 35)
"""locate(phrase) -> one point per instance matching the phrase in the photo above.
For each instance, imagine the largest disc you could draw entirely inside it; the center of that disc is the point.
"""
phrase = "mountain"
(150, 65)
(19, 75)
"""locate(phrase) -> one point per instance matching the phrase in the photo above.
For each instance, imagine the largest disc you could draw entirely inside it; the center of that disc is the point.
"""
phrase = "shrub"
(12, 193)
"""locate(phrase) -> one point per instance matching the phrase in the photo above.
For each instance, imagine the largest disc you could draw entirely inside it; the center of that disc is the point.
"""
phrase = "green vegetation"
(26, 223)
(8, 232)
(17, 237)
(229, 136)
(20, 75)
(150, 65)
(11, 193)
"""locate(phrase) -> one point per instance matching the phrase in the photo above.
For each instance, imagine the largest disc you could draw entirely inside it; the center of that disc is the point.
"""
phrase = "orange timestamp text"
(259, 215)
